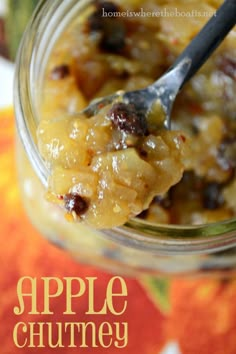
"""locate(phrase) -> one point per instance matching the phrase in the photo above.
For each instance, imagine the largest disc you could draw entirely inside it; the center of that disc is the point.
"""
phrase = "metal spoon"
(193, 57)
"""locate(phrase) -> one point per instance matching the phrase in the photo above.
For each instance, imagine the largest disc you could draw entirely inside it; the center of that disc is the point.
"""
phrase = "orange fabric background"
(203, 312)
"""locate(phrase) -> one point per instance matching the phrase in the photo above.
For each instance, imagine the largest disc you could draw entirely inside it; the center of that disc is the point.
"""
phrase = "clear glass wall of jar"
(136, 247)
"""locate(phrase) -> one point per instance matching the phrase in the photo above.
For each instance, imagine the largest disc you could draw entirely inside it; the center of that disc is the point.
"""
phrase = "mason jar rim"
(44, 28)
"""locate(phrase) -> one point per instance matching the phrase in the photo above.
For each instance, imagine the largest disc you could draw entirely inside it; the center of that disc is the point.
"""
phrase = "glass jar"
(138, 246)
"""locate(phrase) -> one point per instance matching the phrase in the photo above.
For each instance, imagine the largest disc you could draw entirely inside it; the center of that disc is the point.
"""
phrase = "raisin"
(113, 39)
(112, 29)
(95, 22)
(75, 203)
(228, 66)
(96, 19)
(105, 7)
(127, 119)
(212, 197)
(60, 72)
(143, 153)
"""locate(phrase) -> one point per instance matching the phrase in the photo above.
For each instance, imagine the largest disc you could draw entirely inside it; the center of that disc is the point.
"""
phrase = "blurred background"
(14, 15)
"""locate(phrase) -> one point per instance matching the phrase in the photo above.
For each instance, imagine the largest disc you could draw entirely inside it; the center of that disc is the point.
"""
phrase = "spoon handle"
(208, 38)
